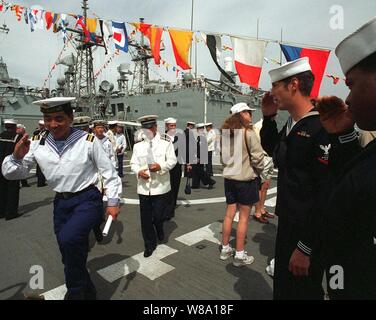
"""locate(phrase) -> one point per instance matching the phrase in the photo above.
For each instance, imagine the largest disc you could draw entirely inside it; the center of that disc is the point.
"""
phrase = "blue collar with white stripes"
(74, 136)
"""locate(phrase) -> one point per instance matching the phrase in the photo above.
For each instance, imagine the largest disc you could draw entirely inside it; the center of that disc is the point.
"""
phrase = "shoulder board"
(90, 137)
(36, 137)
(165, 137)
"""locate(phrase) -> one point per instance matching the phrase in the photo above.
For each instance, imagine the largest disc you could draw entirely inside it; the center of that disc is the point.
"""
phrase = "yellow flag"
(181, 43)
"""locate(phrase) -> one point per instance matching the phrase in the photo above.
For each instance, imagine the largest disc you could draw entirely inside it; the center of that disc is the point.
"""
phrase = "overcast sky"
(29, 55)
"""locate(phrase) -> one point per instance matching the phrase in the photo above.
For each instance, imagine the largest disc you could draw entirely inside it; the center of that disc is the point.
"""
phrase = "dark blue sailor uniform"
(301, 156)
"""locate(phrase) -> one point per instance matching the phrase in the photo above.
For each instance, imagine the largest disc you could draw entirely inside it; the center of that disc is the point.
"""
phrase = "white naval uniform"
(121, 143)
(163, 153)
(110, 135)
(211, 137)
(107, 145)
(71, 170)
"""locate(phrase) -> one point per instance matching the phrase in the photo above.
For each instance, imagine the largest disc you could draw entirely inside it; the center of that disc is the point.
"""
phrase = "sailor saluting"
(70, 160)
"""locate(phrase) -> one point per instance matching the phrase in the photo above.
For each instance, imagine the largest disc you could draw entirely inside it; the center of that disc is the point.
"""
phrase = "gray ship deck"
(186, 266)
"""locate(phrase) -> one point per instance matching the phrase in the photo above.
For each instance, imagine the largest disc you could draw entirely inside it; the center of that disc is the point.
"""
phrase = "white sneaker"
(225, 254)
(270, 268)
(246, 259)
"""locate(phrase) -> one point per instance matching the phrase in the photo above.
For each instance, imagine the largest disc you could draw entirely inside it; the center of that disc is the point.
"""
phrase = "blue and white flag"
(119, 33)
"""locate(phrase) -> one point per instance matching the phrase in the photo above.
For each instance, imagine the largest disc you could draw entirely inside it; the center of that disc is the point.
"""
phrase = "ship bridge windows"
(113, 109)
(120, 107)
(169, 104)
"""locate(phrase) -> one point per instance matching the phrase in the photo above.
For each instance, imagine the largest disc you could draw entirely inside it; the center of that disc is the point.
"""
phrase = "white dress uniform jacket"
(71, 169)
(110, 135)
(162, 152)
(121, 143)
(211, 136)
(107, 145)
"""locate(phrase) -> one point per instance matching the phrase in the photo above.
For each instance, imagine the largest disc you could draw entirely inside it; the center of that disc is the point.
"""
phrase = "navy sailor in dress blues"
(70, 159)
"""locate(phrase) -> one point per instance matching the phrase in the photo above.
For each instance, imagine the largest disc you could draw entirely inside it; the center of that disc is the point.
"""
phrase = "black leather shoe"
(148, 252)
(13, 217)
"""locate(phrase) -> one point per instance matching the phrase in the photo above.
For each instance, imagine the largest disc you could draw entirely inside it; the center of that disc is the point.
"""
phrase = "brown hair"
(233, 122)
(306, 81)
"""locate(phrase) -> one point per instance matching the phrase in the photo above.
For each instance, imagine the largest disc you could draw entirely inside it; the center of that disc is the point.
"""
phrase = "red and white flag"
(249, 57)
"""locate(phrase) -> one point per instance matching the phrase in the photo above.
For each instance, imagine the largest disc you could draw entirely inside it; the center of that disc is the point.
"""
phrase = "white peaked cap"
(55, 104)
(10, 121)
(290, 69)
(41, 122)
(357, 46)
(239, 107)
(170, 120)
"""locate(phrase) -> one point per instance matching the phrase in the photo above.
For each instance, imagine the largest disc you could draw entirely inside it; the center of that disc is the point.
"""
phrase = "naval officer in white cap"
(151, 161)
(350, 223)
(300, 152)
(70, 159)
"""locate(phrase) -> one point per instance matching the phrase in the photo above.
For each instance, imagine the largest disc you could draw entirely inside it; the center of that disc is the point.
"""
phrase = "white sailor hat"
(21, 126)
(10, 121)
(112, 122)
(148, 121)
(290, 69)
(55, 104)
(41, 122)
(83, 121)
(170, 120)
(99, 123)
(191, 122)
(239, 107)
(200, 125)
(357, 46)
(208, 124)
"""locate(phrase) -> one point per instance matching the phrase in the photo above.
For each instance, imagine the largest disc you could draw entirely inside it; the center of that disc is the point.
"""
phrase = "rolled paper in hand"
(107, 226)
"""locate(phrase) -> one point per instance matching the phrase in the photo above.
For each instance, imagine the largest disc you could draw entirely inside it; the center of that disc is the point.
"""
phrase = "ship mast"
(140, 57)
(83, 85)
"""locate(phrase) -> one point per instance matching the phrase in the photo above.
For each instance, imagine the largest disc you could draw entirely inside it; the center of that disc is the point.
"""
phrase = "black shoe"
(13, 217)
(41, 185)
(148, 252)
(210, 187)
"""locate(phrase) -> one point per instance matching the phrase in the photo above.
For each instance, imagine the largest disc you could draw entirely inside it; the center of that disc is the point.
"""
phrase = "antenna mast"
(83, 81)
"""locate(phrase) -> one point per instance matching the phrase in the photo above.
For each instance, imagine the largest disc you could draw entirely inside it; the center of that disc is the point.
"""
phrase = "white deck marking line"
(150, 267)
(57, 293)
(211, 232)
(181, 202)
(272, 191)
(271, 202)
